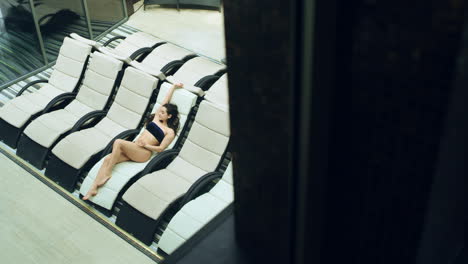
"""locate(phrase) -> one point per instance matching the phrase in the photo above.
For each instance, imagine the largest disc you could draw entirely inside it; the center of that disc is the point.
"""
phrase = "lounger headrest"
(184, 99)
(196, 68)
(142, 39)
(152, 71)
(105, 65)
(75, 49)
(163, 55)
(138, 81)
(85, 40)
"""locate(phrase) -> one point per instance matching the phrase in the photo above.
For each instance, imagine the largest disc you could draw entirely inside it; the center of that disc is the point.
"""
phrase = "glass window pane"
(20, 51)
(57, 19)
(104, 14)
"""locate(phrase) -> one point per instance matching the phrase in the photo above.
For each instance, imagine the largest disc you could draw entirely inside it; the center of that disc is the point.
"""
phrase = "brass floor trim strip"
(83, 206)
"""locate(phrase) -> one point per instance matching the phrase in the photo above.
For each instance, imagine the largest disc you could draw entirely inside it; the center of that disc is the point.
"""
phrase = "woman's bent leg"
(135, 152)
(122, 151)
(103, 175)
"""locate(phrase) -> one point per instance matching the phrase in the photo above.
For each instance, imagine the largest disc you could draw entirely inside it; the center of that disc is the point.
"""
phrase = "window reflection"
(20, 51)
(57, 19)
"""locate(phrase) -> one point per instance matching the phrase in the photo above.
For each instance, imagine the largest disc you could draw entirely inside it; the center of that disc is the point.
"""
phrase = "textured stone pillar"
(260, 56)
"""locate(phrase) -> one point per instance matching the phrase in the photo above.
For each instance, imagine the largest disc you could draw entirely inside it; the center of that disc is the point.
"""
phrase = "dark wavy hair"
(174, 121)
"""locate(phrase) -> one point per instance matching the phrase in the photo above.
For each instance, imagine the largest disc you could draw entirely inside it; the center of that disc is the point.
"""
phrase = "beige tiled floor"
(39, 226)
(201, 31)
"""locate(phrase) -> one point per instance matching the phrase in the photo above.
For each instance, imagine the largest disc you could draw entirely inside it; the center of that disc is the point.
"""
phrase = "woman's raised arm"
(169, 94)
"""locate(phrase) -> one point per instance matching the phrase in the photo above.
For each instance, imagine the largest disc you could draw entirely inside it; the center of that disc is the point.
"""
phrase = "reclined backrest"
(197, 213)
(224, 189)
(69, 65)
(97, 85)
(205, 144)
(134, 42)
(195, 69)
(218, 92)
(130, 102)
(164, 54)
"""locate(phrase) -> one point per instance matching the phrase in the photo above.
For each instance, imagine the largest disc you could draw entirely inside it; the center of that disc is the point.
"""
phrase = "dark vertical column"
(260, 57)
(394, 79)
(445, 231)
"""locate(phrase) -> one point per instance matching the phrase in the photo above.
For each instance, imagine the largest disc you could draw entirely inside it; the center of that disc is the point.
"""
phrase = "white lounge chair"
(62, 85)
(198, 212)
(148, 198)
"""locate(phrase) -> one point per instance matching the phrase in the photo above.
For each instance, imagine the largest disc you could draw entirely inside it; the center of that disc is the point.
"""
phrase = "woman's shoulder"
(169, 131)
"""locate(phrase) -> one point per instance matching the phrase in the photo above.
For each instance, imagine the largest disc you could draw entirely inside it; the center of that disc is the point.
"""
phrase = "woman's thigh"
(121, 158)
(135, 152)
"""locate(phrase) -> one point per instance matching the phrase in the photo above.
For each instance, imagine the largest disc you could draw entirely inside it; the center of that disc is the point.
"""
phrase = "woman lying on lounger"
(159, 133)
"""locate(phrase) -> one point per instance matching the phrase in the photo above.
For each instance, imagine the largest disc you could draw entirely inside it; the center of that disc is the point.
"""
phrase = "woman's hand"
(150, 147)
(178, 85)
(139, 143)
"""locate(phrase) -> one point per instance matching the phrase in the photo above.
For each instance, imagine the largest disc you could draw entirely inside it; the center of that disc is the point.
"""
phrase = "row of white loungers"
(191, 74)
(92, 101)
(71, 156)
(131, 48)
(146, 201)
(198, 212)
(101, 77)
(125, 173)
(64, 81)
(112, 103)
(122, 121)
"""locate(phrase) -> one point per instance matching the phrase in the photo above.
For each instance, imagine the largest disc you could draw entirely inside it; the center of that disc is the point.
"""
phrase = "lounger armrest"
(200, 186)
(206, 82)
(221, 72)
(94, 115)
(57, 100)
(158, 44)
(161, 76)
(29, 85)
(112, 40)
(160, 161)
(172, 67)
(85, 40)
(127, 134)
(189, 57)
(140, 52)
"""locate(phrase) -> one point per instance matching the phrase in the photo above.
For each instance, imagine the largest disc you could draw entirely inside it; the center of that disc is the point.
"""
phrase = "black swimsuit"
(156, 131)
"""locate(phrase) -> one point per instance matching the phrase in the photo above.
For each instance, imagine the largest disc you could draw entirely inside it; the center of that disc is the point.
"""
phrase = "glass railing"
(32, 31)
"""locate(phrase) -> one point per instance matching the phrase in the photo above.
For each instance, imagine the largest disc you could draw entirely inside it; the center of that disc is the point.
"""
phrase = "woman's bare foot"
(101, 183)
(91, 192)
